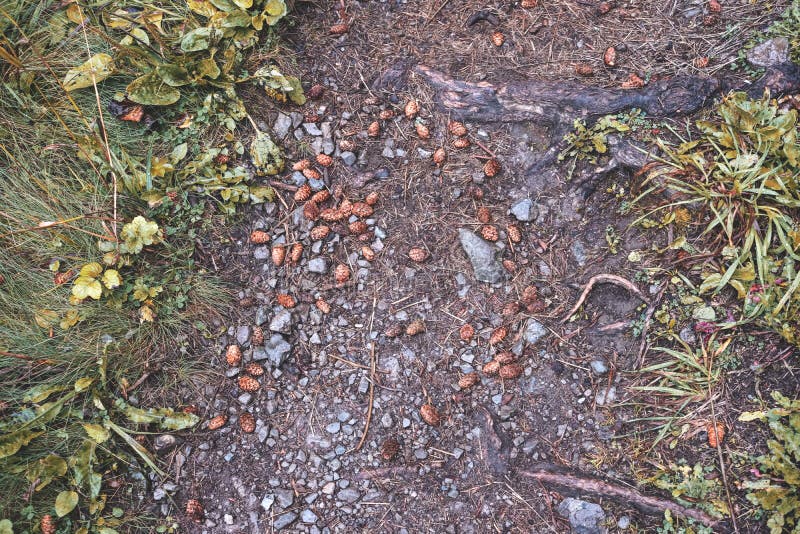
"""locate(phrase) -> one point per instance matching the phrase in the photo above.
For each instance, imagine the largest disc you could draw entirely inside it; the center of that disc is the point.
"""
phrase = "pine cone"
(254, 369)
(490, 233)
(233, 355)
(374, 129)
(466, 332)
(362, 209)
(439, 155)
(259, 237)
(512, 370)
(324, 160)
(287, 301)
(504, 358)
(316, 91)
(468, 380)
(339, 29)
(422, 131)
(368, 253)
(195, 510)
(498, 335)
(511, 308)
(528, 4)
(247, 422)
(296, 253)
(491, 368)
(345, 208)
(248, 383)
(418, 254)
(217, 422)
(312, 174)
(390, 448)
(530, 294)
(412, 109)
(342, 273)
(278, 254)
(372, 198)
(394, 330)
(319, 232)
(430, 414)
(514, 233)
(461, 142)
(386, 114)
(498, 38)
(321, 196)
(48, 524)
(303, 193)
(510, 266)
(716, 433)
(323, 306)
(457, 128)
(415, 327)
(301, 165)
(491, 168)
(484, 215)
(357, 227)
(311, 211)
(257, 338)
(331, 215)
(584, 70)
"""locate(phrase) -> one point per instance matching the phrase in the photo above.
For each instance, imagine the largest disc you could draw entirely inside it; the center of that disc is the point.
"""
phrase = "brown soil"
(441, 479)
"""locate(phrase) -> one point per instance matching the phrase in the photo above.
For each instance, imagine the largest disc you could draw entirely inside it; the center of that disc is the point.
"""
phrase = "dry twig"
(608, 279)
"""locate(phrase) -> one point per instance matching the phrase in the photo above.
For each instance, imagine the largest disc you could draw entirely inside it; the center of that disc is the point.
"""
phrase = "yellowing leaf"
(86, 287)
(146, 314)
(111, 279)
(274, 10)
(45, 318)
(150, 90)
(45, 470)
(70, 319)
(91, 270)
(710, 283)
(11, 443)
(6, 526)
(746, 417)
(201, 7)
(92, 71)
(66, 501)
(97, 432)
(138, 233)
(75, 14)
(82, 384)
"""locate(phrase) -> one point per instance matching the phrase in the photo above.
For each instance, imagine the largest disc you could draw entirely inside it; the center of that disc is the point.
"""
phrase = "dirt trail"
(301, 469)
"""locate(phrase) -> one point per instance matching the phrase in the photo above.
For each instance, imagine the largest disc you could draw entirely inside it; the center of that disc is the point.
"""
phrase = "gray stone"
(282, 322)
(307, 516)
(348, 158)
(584, 517)
(424, 154)
(261, 253)
(243, 334)
(599, 367)
(284, 520)
(297, 118)
(318, 265)
(523, 210)
(606, 396)
(387, 153)
(333, 428)
(165, 443)
(282, 125)
(348, 495)
(285, 497)
(311, 128)
(482, 256)
(769, 53)
(579, 253)
(534, 331)
(159, 494)
(261, 315)
(687, 335)
(623, 522)
(276, 350)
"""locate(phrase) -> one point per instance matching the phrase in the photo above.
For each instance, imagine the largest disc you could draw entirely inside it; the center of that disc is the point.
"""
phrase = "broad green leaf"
(40, 393)
(11, 443)
(82, 384)
(179, 152)
(296, 95)
(66, 501)
(81, 462)
(150, 90)
(274, 10)
(174, 75)
(165, 418)
(97, 432)
(266, 154)
(94, 70)
(45, 470)
(111, 279)
(6, 526)
(83, 287)
(199, 39)
(752, 416)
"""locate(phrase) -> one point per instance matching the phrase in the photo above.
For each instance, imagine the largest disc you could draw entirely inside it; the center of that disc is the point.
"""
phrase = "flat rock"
(769, 53)
(284, 520)
(312, 129)
(534, 331)
(523, 210)
(282, 322)
(584, 517)
(318, 265)
(482, 255)
(276, 350)
(282, 125)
